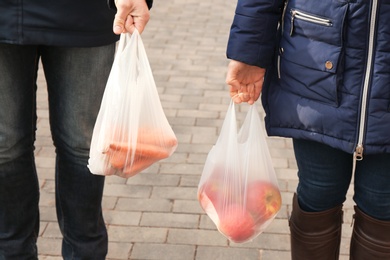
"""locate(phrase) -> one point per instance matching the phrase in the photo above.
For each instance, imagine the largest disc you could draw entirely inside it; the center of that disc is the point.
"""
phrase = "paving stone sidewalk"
(156, 215)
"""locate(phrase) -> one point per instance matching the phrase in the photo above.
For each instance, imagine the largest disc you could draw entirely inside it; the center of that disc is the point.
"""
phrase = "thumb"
(119, 24)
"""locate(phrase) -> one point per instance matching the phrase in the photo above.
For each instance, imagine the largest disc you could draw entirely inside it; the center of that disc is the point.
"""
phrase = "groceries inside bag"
(238, 188)
(131, 131)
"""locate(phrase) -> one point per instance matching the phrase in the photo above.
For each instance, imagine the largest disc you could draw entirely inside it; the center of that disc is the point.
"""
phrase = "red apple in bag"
(236, 223)
(211, 192)
(263, 200)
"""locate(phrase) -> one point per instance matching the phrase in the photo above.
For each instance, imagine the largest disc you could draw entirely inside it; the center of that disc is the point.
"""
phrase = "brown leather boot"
(370, 238)
(315, 235)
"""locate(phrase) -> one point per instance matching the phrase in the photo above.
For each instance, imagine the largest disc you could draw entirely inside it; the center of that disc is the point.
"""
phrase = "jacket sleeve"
(252, 38)
(111, 4)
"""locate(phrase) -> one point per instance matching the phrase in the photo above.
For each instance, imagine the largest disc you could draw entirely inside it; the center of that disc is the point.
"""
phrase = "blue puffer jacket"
(328, 68)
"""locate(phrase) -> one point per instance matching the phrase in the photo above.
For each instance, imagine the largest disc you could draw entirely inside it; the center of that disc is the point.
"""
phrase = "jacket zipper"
(358, 154)
(282, 31)
(284, 14)
(278, 63)
(295, 14)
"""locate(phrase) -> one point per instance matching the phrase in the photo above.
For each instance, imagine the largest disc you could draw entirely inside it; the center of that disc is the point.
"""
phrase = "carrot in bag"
(117, 159)
(154, 137)
(120, 159)
(137, 166)
(150, 147)
(141, 149)
(128, 169)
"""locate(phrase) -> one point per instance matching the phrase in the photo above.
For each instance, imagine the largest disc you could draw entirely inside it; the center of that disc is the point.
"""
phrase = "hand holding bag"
(131, 131)
(238, 188)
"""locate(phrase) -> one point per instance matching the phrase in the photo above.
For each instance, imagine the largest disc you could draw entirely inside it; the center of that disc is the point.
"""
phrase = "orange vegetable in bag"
(149, 136)
(141, 149)
(145, 155)
(149, 149)
(137, 167)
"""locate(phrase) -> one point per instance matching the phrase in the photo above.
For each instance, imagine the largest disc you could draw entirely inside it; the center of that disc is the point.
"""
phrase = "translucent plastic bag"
(131, 131)
(238, 188)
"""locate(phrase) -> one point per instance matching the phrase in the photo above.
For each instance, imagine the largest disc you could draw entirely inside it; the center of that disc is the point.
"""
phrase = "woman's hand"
(130, 14)
(245, 81)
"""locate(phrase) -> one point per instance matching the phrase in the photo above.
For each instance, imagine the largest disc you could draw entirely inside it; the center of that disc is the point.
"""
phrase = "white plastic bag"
(238, 188)
(131, 131)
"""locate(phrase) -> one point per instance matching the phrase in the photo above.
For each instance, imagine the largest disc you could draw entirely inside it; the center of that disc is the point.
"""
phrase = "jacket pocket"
(311, 50)
(297, 16)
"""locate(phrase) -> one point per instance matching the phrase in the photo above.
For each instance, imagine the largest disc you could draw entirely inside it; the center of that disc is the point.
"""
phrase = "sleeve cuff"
(111, 4)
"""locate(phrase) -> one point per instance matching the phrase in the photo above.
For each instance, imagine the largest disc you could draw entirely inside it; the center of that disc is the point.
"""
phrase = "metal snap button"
(328, 65)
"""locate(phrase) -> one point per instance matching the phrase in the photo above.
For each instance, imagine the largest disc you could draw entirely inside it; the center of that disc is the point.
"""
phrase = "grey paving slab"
(162, 251)
(156, 215)
(225, 252)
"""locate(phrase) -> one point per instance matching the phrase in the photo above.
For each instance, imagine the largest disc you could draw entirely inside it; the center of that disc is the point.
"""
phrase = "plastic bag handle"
(125, 38)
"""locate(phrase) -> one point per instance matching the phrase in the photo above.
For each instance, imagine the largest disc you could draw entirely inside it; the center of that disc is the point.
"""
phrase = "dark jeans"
(325, 174)
(76, 78)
